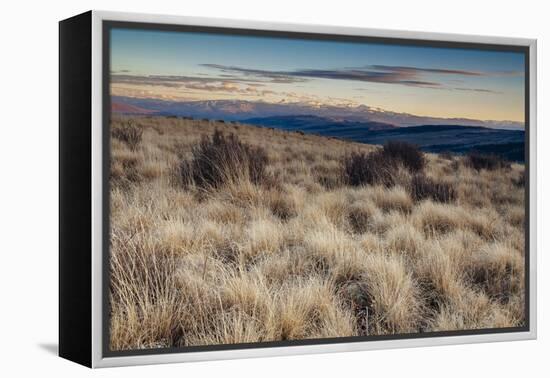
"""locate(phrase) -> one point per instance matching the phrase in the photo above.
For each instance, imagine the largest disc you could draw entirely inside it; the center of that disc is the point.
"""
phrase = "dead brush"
(423, 187)
(489, 162)
(220, 159)
(405, 153)
(130, 133)
(361, 168)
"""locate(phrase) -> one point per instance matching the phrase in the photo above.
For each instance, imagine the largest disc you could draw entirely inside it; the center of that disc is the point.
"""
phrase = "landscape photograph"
(267, 188)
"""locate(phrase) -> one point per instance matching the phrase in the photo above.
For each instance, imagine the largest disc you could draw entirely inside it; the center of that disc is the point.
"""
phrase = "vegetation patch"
(406, 153)
(269, 235)
(489, 162)
(130, 133)
(360, 168)
(423, 187)
(220, 159)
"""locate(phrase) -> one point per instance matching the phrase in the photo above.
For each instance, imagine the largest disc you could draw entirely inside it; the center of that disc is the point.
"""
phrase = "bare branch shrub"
(406, 153)
(423, 187)
(369, 169)
(129, 133)
(489, 162)
(220, 159)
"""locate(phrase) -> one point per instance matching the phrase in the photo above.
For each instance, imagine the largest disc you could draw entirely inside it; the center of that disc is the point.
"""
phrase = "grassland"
(302, 251)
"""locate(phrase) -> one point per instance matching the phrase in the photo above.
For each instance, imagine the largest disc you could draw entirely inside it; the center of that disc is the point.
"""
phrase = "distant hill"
(319, 125)
(431, 138)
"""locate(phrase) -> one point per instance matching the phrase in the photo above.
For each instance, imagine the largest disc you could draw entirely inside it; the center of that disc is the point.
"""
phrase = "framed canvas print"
(235, 189)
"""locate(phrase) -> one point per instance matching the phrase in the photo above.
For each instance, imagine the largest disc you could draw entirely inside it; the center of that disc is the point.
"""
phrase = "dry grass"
(295, 252)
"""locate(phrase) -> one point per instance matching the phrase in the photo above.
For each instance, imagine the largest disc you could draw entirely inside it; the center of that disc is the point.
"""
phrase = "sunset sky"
(436, 82)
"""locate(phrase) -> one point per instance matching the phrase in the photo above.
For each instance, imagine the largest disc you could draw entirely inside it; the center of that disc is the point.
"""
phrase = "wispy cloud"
(120, 71)
(388, 77)
(285, 77)
(416, 70)
(482, 90)
(193, 83)
(400, 75)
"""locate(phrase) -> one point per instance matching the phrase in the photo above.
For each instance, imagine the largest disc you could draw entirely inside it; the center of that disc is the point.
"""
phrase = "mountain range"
(358, 123)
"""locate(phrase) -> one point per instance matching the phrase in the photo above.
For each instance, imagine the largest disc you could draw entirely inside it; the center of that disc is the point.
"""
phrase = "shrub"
(489, 162)
(129, 133)
(423, 187)
(368, 169)
(408, 154)
(220, 159)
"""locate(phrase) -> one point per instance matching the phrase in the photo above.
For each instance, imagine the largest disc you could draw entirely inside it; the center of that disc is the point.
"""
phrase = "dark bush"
(489, 162)
(220, 159)
(129, 133)
(368, 169)
(423, 187)
(406, 153)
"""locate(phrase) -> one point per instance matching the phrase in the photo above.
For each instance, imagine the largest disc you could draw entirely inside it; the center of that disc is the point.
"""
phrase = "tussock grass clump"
(361, 216)
(129, 132)
(406, 153)
(392, 199)
(485, 161)
(405, 239)
(282, 204)
(434, 218)
(220, 159)
(360, 169)
(519, 181)
(145, 306)
(423, 187)
(496, 270)
(395, 304)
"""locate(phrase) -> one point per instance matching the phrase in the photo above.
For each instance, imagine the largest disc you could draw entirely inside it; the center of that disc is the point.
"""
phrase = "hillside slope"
(298, 252)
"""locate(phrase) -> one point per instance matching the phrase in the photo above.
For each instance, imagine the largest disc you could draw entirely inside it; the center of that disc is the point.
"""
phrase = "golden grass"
(302, 255)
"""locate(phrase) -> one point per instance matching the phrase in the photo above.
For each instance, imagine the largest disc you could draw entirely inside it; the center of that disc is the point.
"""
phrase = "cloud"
(400, 75)
(421, 77)
(228, 87)
(190, 84)
(482, 90)
(416, 70)
(119, 71)
(282, 77)
(143, 80)
(388, 77)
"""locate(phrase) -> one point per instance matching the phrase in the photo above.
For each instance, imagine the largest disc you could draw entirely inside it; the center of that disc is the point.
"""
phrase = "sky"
(424, 81)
